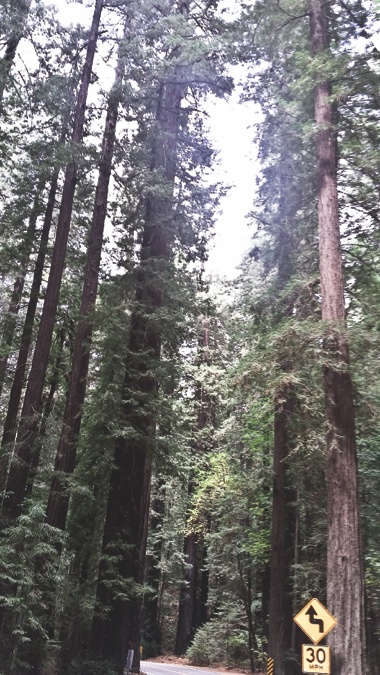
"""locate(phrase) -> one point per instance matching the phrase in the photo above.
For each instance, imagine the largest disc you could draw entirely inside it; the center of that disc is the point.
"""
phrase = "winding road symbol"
(318, 622)
(315, 620)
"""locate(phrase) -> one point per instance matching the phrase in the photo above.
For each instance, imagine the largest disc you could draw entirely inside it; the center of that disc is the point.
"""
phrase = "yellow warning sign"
(315, 659)
(315, 620)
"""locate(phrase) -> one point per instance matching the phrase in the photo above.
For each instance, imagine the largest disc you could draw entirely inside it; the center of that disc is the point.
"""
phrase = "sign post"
(128, 665)
(316, 621)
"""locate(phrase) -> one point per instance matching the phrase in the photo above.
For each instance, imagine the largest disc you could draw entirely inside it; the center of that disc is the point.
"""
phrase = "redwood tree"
(23, 456)
(10, 423)
(345, 579)
(18, 286)
(66, 452)
(282, 530)
(125, 528)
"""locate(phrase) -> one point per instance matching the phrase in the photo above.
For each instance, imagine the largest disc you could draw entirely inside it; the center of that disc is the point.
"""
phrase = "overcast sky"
(231, 131)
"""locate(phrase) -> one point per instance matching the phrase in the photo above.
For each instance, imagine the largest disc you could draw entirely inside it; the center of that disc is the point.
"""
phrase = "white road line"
(150, 668)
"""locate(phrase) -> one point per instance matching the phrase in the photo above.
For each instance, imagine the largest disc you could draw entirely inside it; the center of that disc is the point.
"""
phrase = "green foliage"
(29, 574)
(212, 479)
(223, 639)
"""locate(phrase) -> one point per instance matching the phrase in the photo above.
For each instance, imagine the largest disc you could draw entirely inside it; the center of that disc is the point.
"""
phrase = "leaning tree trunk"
(10, 424)
(18, 287)
(66, 453)
(55, 378)
(12, 44)
(23, 456)
(345, 583)
(9, 431)
(127, 509)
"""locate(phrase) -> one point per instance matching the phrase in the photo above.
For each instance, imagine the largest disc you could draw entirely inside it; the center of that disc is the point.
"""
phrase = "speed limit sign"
(315, 659)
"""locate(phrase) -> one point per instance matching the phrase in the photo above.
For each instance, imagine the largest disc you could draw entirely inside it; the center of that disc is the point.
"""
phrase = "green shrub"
(223, 639)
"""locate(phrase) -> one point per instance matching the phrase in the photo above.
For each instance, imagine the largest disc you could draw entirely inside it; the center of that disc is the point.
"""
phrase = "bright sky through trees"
(232, 131)
(231, 124)
(189, 451)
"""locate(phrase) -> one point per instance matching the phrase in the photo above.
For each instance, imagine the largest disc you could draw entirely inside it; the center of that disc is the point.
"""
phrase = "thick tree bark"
(127, 509)
(66, 452)
(23, 457)
(345, 578)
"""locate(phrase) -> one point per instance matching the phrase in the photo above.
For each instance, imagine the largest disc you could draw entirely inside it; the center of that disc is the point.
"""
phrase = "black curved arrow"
(312, 614)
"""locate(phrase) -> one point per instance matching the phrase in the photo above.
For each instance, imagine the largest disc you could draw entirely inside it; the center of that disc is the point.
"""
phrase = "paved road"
(154, 668)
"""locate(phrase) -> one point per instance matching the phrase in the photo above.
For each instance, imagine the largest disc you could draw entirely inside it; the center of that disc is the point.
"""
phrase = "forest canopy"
(187, 460)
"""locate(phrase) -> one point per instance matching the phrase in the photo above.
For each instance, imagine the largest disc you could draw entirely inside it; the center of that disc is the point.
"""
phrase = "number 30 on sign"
(315, 659)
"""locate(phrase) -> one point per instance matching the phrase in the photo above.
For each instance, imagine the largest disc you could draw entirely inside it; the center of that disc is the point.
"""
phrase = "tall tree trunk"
(19, 469)
(244, 563)
(192, 608)
(12, 44)
(345, 579)
(9, 432)
(10, 424)
(280, 614)
(282, 528)
(66, 452)
(48, 401)
(127, 510)
(191, 613)
(187, 597)
(153, 576)
(18, 287)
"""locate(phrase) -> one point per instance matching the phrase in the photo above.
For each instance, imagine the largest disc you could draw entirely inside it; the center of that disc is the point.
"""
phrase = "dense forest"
(187, 461)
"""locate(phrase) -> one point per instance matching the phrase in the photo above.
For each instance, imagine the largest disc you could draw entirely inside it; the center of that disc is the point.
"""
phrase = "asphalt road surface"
(153, 668)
